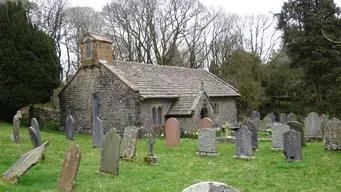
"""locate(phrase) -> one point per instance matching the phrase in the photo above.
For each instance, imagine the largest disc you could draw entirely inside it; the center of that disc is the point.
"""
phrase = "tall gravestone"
(255, 114)
(324, 120)
(68, 175)
(254, 137)
(35, 137)
(283, 118)
(277, 136)
(210, 186)
(207, 143)
(257, 122)
(128, 146)
(292, 146)
(35, 126)
(172, 132)
(244, 144)
(16, 125)
(110, 154)
(266, 123)
(294, 125)
(97, 132)
(70, 128)
(205, 123)
(332, 135)
(312, 126)
(291, 117)
(272, 116)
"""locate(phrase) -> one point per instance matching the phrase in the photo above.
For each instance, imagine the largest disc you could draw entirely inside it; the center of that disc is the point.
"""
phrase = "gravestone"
(152, 157)
(210, 186)
(205, 123)
(292, 146)
(312, 126)
(283, 118)
(272, 116)
(16, 125)
(294, 125)
(68, 175)
(110, 154)
(332, 135)
(35, 126)
(35, 137)
(291, 117)
(244, 144)
(25, 163)
(265, 124)
(97, 132)
(277, 136)
(172, 132)
(257, 122)
(324, 120)
(254, 137)
(128, 146)
(255, 114)
(207, 142)
(70, 128)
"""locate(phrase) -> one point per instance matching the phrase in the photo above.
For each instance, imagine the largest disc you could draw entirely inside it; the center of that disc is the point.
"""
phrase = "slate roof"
(99, 37)
(156, 81)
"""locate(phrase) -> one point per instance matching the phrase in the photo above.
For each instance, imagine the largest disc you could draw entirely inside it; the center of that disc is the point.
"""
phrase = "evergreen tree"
(29, 68)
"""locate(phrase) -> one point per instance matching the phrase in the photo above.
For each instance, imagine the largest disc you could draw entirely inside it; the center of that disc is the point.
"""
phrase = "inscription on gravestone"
(332, 136)
(207, 142)
(128, 147)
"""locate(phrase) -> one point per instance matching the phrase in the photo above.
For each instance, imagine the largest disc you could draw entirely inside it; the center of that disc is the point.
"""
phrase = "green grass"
(178, 168)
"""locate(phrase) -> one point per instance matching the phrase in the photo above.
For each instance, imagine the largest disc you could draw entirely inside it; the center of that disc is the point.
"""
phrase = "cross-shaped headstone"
(150, 147)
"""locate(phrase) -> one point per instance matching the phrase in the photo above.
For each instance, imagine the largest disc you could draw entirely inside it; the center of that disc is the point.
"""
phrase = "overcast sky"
(240, 7)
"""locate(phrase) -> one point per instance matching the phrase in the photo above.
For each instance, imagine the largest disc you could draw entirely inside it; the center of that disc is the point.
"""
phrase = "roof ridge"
(156, 65)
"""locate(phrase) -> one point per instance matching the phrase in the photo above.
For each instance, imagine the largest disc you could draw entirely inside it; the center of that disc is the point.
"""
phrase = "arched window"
(88, 49)
(154, 115)
(159, 115)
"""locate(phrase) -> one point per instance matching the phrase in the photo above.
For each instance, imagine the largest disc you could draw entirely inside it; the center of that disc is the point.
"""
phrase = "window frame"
(216, 108)
(88, 47)
(158, 110)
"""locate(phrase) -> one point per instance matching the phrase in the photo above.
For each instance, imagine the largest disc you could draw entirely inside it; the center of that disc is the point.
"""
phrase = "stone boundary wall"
(44, 114)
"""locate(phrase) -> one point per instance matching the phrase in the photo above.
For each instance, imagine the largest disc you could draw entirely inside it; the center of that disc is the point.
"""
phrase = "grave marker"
(172, 132)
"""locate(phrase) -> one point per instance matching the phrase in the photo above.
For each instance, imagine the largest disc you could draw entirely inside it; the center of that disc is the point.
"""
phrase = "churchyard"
(178, 165)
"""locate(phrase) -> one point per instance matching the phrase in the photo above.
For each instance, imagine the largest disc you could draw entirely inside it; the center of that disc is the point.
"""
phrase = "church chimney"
(95, 49)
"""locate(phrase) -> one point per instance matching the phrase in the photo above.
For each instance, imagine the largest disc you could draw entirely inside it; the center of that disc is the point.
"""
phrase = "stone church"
(145, 95)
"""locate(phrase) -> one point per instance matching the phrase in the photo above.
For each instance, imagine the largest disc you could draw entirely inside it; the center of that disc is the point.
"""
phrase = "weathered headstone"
(312, 126)
(255, 114)
(25, 163)
(35, 126)
(172, 132)
(35, 137)
(277, 136)
(283, 118)
(128, 146)
(291, 117)
(244, 144)
(207, 142)
(257, 122)
(210, 186)
(70, 128)
(294, 125)
(265, 124)
(152, 158)
(254, 137)
(332, 135)
(205, 123)
(292, 146)
(16, 125)
(272, 116)
(68, 175)
(324, 120)
(110, 154)
(97, 132)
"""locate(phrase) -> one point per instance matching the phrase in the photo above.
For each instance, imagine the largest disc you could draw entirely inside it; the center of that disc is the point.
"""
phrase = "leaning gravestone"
(255, 114)
(294, 125)
(35, 126)
(70, 128)
(25, 163)
(205, 123)
(265, 124)
(272, 116)
(332, 135)
(254, 137)
(128, 146)
(207, 142)
(257, 122)
(312, 126)
(277, 136)
(97, 132)
(68, 175)
(292, 146)
(291, 117)
(210, 186)
(172, 132)
(35, 137)
(16, 125)
(283, 118)
(324, 120)
(244, 144)
(110, 154)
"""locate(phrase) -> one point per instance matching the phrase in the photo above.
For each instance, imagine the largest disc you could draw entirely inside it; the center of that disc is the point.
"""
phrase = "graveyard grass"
(178, 168)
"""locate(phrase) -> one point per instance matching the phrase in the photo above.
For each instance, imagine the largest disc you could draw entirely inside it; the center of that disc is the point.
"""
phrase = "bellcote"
(95, 48)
